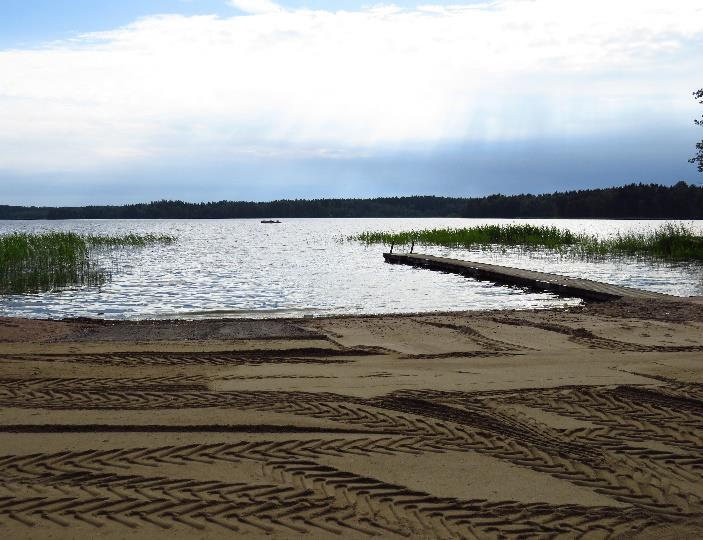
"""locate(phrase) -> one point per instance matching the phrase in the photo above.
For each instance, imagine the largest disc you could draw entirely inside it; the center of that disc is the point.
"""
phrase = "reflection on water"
(235, 268)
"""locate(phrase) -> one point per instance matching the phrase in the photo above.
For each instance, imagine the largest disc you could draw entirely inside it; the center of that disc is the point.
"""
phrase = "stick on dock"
(536, 281)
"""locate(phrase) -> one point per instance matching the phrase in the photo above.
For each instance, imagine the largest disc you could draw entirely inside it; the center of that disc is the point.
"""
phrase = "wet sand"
(582, 422)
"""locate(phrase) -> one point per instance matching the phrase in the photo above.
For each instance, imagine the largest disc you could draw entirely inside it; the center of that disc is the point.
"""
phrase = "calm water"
(229, 268)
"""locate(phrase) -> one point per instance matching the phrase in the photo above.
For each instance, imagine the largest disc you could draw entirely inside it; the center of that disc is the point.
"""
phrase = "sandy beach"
(580, 422)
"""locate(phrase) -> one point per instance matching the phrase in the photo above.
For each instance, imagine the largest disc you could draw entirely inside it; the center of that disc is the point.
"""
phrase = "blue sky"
(124, 101)
(32, 22)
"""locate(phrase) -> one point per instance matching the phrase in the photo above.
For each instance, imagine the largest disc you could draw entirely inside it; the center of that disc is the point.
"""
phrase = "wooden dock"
(536, 281)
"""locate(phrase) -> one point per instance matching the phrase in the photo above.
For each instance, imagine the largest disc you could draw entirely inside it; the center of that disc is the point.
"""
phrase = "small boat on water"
(270, 221)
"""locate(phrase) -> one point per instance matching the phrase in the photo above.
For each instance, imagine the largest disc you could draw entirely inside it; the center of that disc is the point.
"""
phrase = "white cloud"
(255, 6)
(318, 82)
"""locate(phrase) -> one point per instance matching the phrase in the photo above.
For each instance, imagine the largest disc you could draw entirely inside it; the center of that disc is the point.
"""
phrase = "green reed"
(129, 240)
(673, 242)
(483, 235)
(36, 262)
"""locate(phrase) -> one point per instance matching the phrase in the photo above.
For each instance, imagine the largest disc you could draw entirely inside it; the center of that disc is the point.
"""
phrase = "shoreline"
(678, 308)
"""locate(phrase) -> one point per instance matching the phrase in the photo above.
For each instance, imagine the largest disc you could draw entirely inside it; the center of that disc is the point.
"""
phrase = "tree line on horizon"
(649, 201)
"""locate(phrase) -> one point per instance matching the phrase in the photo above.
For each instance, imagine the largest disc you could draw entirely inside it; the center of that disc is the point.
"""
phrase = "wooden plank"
(530, 279)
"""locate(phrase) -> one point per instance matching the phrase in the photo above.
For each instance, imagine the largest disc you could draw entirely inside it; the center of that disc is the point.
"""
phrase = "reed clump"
(128, 240)
(674, 242)
(671, 241)
(482, 235)
(37, 262)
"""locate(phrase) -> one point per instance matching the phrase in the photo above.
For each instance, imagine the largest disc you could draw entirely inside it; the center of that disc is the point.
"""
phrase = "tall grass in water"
(55, 260)
(483, 235)
(128, 240)
(669, 242)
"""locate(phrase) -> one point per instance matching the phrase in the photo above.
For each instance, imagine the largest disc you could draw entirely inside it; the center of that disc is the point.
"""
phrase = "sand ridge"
(583, 422)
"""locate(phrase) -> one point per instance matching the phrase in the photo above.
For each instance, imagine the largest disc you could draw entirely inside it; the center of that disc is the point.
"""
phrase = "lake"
(243, 268)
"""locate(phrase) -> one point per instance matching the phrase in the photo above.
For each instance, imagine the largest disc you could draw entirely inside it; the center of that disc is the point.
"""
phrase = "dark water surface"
(231, 268)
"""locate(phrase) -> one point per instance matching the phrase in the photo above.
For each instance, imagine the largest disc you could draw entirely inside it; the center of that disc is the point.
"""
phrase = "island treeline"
(653, 201)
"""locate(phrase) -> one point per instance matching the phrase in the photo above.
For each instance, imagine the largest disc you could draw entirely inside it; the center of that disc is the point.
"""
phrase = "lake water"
(231, 268)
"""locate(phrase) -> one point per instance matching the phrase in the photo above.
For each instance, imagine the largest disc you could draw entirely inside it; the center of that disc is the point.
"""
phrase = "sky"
(121, 101)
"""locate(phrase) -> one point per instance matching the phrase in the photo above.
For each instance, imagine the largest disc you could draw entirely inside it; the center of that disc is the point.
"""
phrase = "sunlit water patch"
(243, 268)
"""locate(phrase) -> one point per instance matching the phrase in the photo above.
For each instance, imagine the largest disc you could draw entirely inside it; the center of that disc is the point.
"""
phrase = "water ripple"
(242, 268)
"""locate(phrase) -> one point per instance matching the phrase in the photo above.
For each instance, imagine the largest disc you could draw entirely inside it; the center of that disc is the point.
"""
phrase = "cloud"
(255, 6)
(305, 82)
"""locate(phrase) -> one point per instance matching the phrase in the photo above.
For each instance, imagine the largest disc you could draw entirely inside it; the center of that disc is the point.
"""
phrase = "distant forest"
(681, 201)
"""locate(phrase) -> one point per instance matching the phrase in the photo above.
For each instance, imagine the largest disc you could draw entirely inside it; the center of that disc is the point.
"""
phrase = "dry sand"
(574, 423)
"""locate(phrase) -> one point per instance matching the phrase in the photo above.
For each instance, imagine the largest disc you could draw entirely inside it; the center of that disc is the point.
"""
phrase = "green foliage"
(129, 240)
(484, 235)
(698, 158)
(31, 263)
(669, 242)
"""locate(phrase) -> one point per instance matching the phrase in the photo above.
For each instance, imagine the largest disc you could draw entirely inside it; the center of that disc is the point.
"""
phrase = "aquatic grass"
(129, 240)
(671, 241)
(483, 235)
(36, 262)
